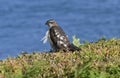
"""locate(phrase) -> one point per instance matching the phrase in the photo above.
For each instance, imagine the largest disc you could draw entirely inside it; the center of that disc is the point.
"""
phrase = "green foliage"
(76, 41)
(99, 59)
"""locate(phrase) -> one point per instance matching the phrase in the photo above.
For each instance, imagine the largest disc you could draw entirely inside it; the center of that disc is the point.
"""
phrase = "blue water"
(22, 22)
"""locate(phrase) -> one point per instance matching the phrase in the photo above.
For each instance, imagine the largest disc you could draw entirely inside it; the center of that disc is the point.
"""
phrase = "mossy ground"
(99, 59)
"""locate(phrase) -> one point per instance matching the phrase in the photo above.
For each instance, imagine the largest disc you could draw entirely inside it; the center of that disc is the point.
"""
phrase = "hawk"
(57, 38)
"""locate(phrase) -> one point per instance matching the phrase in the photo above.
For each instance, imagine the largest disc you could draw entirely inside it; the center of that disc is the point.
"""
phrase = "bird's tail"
(72, 47)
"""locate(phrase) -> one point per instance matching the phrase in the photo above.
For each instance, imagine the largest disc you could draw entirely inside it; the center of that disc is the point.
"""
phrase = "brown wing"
(59, 37)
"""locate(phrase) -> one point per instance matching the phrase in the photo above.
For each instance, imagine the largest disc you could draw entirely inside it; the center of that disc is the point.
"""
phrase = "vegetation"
(99, 59)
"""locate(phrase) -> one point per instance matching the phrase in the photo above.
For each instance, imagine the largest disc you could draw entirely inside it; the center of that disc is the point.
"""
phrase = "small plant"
(76, 41)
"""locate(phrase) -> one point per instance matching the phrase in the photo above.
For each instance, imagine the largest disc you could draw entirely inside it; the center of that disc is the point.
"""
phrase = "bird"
(57, 38)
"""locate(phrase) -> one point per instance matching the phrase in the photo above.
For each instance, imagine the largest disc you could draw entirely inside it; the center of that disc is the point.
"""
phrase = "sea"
(22, 22)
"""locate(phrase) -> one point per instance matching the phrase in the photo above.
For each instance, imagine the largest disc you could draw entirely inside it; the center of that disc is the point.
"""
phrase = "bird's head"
(51, 23)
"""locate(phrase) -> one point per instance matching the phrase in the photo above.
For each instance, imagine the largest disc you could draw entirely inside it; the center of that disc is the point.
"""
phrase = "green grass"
(99, 59)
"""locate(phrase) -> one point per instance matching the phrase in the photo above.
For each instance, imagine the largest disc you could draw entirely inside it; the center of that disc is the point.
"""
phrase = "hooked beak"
(47, 23)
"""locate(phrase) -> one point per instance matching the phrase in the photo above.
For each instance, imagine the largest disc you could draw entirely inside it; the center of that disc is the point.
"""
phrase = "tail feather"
(72, 47)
